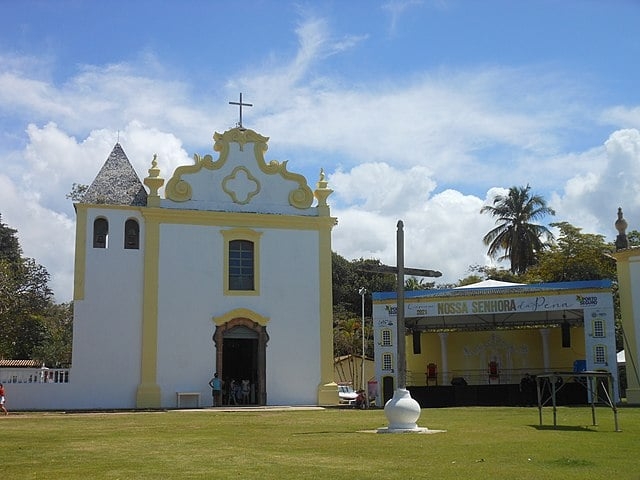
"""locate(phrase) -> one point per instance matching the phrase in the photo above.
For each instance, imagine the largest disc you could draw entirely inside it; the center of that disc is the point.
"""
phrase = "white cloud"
(378, 187)
(622, 116)
(33, 199)
(45, 235)
(427, 148)
(108, 96)
(590, 199)
(442, 232)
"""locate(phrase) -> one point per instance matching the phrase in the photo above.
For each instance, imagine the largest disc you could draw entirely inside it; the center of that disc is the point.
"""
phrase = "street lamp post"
(362, 292)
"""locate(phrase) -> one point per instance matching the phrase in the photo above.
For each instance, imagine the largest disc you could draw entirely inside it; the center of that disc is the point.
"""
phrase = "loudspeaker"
(416, 343)
(566, 335)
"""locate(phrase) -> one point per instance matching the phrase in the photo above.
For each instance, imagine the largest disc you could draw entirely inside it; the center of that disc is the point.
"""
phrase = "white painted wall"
(191, 294)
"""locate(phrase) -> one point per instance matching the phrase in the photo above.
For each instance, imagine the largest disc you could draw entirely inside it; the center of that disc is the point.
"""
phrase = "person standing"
(2, 400)
(216, 389)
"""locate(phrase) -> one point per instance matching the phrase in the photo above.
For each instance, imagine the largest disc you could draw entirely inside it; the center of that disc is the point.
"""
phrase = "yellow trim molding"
(327, 393)
(240, 313)
(235, 178)
(80, 261)
(148, 394)
(235, 219)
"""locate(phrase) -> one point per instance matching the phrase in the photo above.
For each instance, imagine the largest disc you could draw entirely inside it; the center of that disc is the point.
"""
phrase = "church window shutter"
(131, 234)
(100, 232)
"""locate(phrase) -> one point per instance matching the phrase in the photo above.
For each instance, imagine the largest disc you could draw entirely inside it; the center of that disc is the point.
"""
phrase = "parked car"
(347, 394)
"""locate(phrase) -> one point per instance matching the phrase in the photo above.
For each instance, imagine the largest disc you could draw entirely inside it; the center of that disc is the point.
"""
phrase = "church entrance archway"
(240, 361)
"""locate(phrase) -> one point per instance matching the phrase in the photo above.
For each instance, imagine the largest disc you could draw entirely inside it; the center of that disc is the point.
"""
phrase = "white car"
(347, 394)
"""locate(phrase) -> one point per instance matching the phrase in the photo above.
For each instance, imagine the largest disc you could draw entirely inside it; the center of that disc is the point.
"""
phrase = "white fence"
(34, 375)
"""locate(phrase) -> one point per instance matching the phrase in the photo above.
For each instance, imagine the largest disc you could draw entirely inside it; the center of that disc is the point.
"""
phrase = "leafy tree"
(347, 334)
(348, 278)
(25, 300)
(55, 349)
(77, 192)
(413, 283)
(10, 250)
(483, 272)
(516, 235)
(579, 256)
(634, 238)
(575, 256)
(469, 280)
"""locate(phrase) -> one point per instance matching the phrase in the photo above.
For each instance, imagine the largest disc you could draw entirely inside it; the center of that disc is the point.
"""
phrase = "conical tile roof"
(117, 183)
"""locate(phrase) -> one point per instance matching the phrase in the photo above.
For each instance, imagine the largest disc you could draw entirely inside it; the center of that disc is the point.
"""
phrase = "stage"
(506, 395)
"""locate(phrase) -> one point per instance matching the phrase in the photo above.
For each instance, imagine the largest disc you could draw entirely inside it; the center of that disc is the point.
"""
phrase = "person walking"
(216, 389)
(3, 400)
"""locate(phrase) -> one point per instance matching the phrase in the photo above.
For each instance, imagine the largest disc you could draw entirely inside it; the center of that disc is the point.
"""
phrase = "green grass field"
(479, 443)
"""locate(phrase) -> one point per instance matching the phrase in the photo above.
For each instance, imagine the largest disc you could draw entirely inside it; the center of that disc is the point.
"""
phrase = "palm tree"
(515, 235)
(412, 283)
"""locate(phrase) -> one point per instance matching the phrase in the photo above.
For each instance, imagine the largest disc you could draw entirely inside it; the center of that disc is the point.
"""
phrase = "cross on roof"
(240, 104)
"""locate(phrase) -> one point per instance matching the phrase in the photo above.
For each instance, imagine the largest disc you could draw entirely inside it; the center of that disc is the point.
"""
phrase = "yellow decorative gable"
(239, 180)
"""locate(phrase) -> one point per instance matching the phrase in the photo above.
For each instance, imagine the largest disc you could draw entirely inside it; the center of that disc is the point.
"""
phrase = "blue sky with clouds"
(417, 110)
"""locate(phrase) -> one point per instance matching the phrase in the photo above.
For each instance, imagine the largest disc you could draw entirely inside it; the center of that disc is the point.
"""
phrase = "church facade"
(229, 272)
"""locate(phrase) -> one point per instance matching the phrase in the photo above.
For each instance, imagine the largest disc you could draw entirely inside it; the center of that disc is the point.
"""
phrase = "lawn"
(479, 443)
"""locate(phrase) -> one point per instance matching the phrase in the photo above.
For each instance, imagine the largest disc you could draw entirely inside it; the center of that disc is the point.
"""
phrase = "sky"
(417, 110)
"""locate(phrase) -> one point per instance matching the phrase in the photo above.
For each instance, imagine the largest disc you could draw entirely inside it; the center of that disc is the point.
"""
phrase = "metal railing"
(481, 376)
(34, 375)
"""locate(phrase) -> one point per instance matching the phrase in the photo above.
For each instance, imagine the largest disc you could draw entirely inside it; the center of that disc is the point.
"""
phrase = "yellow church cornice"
(234, 219)
(626, 253)
(179, 190)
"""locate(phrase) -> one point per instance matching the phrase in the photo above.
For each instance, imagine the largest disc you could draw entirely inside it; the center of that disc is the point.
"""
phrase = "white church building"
(229, 272)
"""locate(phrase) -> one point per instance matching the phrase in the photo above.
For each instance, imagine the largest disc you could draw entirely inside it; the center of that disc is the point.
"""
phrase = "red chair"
(432, 373)
(494, 372)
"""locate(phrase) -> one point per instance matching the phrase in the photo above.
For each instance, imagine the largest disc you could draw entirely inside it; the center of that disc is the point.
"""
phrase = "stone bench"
(180, 396)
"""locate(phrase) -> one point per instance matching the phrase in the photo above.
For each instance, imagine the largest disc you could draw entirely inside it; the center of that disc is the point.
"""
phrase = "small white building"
(229, 272)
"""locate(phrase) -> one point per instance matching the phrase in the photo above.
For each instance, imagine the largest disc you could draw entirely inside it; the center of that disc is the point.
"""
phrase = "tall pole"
(402, 361)
(362, 291)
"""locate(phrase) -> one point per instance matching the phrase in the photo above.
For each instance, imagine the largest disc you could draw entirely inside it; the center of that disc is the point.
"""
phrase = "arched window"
(100, 233)
(131, 234)
(241, 265)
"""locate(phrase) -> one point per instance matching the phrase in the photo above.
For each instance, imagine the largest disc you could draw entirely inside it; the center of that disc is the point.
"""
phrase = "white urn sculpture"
(402, 411)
